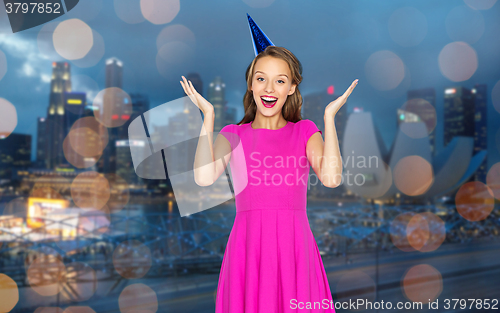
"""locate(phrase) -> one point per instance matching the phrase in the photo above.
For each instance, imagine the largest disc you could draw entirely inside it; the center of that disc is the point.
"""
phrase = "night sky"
(334, 40)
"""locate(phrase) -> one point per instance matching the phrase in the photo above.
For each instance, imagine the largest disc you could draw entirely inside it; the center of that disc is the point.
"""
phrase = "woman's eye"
(281, 81)
(260, 78)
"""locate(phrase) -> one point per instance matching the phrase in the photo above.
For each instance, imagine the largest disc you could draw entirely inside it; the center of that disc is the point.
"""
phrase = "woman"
(272, 262)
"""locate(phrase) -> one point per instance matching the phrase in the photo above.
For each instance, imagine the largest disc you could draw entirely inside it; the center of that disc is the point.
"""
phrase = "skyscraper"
(422, 102)
(41, 143)
(15, 153)
(458, 113)
(114, 73)
(480, 128)
(60, 83)
(216, 96)
(114, 78)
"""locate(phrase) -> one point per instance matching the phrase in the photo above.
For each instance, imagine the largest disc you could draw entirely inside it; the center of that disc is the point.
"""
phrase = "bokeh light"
(132, 259)
(76, 159)
(493, 180)
(95, 54)
(79, 309)
(45, 41)
(88, 137)
(258, 4)
(16, 207)
(469, 32)
(457, 61)
(417, 231)
(413, 175)
(129, 11)
(437, 232)
(119, 193)
(8, 118)
(81, 281)
(176, 52)
(138, 298)
(45, 193)
(407, 26)
(73, 39)
(90, 190)
(425, 111)
(177, 32)
(47, 274)
(495, 98)
(474, 201)
(48, 310)
(384, 70)
(355, 285)
(398, 231)
(3, 64)
(480, 4)
(9, 293)
(160, 11)
(422, 282)
(113, 107)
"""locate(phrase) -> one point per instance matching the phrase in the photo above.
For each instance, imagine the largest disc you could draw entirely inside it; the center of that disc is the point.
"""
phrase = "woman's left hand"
(333, 107)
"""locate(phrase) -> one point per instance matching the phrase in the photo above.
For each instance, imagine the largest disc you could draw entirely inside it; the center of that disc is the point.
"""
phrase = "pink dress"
(271, 262)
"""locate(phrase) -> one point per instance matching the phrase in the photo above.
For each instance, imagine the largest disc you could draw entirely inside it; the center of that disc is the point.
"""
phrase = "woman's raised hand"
(333, 107)
(195, 97)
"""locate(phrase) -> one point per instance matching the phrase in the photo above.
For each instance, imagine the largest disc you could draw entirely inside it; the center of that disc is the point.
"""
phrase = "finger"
(184, 87)
(347, 93)
(192, 87)
(188, 89)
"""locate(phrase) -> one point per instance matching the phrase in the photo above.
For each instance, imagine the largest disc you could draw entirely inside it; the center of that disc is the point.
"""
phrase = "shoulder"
(307, 129)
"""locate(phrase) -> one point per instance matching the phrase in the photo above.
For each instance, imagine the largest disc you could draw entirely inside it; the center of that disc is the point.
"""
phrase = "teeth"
(268, 99)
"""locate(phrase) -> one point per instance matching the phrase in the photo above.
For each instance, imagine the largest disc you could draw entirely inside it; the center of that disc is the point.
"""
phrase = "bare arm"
(210, 160)
(208, 163)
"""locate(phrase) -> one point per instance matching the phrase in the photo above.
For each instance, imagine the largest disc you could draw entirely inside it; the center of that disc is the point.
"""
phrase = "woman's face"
(272, 80)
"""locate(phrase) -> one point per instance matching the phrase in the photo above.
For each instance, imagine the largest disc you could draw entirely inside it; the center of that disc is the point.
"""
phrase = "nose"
(269, 87)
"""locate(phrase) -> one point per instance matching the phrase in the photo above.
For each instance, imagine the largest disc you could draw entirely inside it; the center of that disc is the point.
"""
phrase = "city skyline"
(331, 66)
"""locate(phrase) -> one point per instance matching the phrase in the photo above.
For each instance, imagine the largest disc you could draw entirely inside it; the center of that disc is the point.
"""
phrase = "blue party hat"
(259, 39)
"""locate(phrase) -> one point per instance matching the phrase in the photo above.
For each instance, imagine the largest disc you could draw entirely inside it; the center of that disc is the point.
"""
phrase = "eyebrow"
(265, 73)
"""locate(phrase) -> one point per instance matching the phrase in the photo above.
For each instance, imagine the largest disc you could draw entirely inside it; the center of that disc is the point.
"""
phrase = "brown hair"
(292, 108)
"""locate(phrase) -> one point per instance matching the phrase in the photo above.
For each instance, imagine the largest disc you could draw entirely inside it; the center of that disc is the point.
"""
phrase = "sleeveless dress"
(271, 262)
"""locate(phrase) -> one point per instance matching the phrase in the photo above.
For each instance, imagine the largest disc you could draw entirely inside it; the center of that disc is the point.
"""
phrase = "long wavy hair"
(292, 108)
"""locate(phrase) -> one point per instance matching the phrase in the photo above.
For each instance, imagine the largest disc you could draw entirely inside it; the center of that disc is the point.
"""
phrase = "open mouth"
(268, 102)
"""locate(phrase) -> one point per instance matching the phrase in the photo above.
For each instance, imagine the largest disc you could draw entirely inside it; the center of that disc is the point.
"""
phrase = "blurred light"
(9, 293)
(8, 118)
(398, 231)
(413, 175)
(74, 101)
(458, 61)
(330, 90)
(493, 178)
(3, 65)
(474, 201)
(422, 283)
(90, 190)
(138, 298)
(129, 11)
(73, 39)
(450, 91)
(384, 70)
(112, 102)
(125, 117)
(160, 11)
(480, 4)
(407, 26)
(132, 259)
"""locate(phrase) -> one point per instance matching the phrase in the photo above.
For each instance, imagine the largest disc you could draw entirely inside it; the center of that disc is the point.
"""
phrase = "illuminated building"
(15, 153)
(417, 101)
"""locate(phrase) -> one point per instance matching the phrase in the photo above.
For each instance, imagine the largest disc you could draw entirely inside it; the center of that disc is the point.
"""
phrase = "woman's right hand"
(195, 97)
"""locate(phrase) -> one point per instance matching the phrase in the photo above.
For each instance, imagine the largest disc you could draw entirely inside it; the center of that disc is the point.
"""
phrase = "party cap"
(259, 39)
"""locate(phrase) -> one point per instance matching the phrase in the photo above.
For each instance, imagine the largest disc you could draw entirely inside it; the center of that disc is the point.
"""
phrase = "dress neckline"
(287, 123)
